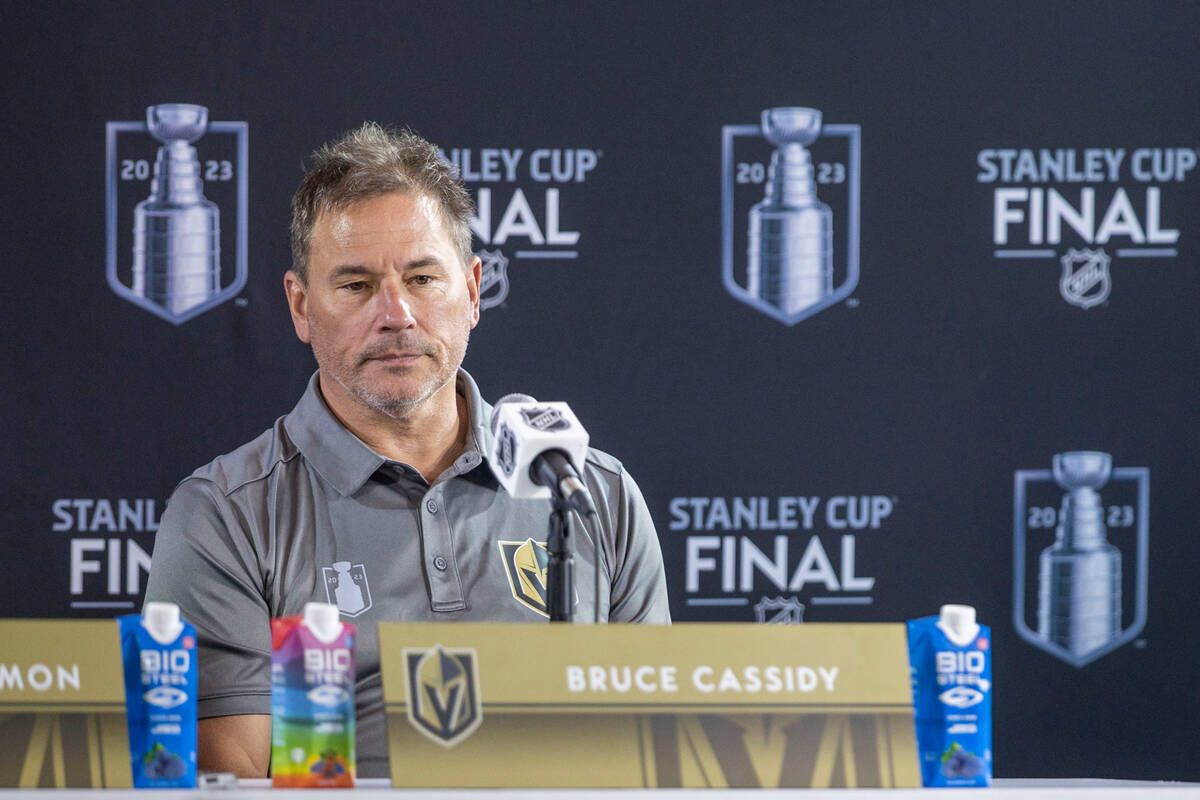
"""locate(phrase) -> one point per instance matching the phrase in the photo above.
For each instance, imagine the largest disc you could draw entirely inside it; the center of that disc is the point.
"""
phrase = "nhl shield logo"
(525, 564)
(507, 453)
(493, 281)
(545, 419)
(1081, 541)
(444, 700)
(779, 611)
(1085, 278)
(176, 212)
(790, 212)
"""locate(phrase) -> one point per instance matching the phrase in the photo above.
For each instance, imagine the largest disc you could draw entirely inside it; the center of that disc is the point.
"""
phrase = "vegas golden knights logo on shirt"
(525, 565)
(443, 692)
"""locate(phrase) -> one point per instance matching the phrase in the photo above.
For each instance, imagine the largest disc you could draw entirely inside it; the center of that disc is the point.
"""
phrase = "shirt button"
(432, 506)
(440, 563)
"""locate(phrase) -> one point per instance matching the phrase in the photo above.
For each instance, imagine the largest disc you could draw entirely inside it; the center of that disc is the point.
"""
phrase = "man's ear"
(297, 299)
(474, 277)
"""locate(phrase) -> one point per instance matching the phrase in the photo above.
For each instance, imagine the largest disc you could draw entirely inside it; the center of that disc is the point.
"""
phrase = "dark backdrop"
(953, 362)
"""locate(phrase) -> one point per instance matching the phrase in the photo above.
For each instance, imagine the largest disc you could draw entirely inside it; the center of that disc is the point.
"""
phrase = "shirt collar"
(343, 459)
(479, 435)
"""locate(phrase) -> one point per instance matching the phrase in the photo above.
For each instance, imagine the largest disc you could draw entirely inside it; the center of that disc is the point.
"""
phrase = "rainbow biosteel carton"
(312, 700)
(159, 654)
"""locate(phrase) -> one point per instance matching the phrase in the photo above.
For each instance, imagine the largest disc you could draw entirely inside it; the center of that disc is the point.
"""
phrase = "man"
(374, 492)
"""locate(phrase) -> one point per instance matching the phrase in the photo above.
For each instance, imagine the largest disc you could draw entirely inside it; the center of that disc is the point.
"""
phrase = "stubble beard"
(349, 371)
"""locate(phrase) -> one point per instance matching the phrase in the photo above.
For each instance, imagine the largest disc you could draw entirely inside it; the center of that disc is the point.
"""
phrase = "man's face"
(388, 307)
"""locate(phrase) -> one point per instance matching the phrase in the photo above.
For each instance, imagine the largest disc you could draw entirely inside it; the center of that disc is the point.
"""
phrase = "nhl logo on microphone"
(545, 418)
(506, 450)
(525, 429)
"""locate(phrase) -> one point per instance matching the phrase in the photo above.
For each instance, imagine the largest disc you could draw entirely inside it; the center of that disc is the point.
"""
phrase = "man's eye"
(422, 280)
(355, 286)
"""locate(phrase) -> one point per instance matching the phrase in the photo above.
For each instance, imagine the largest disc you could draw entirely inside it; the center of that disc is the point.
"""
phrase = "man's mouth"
(395, 358)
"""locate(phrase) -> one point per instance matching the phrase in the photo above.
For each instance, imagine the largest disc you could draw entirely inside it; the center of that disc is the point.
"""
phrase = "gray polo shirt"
(307, 512)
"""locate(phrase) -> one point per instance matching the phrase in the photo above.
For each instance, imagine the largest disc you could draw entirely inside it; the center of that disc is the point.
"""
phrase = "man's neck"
(428, 438)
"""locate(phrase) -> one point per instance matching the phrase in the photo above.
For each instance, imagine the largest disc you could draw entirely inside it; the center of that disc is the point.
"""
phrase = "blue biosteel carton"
(159, 653)
(951, 661)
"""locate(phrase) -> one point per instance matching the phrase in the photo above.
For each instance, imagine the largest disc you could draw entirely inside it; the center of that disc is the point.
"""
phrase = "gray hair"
(368, 162)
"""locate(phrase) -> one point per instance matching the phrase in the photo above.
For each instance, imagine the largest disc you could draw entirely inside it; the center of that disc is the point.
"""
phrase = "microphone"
(536, 450)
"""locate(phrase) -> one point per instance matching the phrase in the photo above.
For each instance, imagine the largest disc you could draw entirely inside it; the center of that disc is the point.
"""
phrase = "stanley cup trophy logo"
(1079, 580)
(174, 232)
(792, 243)
(1080, 574)
(790, 254)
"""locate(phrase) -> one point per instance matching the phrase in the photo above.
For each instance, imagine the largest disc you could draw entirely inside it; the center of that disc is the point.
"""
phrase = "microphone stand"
(560, 569)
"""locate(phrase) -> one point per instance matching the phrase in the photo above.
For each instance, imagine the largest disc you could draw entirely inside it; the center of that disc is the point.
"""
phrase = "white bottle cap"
(322, 620)
(958, 623)
(162, 621)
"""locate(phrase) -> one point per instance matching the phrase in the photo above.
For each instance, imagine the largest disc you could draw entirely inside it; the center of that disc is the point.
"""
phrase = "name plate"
(62, 705)
(688, 705)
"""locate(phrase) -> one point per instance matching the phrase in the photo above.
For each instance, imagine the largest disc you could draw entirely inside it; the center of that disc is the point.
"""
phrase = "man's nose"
(394, 312)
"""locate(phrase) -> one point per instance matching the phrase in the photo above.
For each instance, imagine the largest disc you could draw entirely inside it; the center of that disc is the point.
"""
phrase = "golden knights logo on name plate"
(525, 564)
(443, 692)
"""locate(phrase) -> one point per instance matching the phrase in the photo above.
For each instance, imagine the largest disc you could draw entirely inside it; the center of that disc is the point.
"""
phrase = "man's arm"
(206, 562)
(639, 582)
(240, 744)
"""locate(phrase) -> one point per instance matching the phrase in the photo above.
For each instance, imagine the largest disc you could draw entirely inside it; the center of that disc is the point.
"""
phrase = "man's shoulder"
(249, 464)
(608, 479)
(604, 462)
